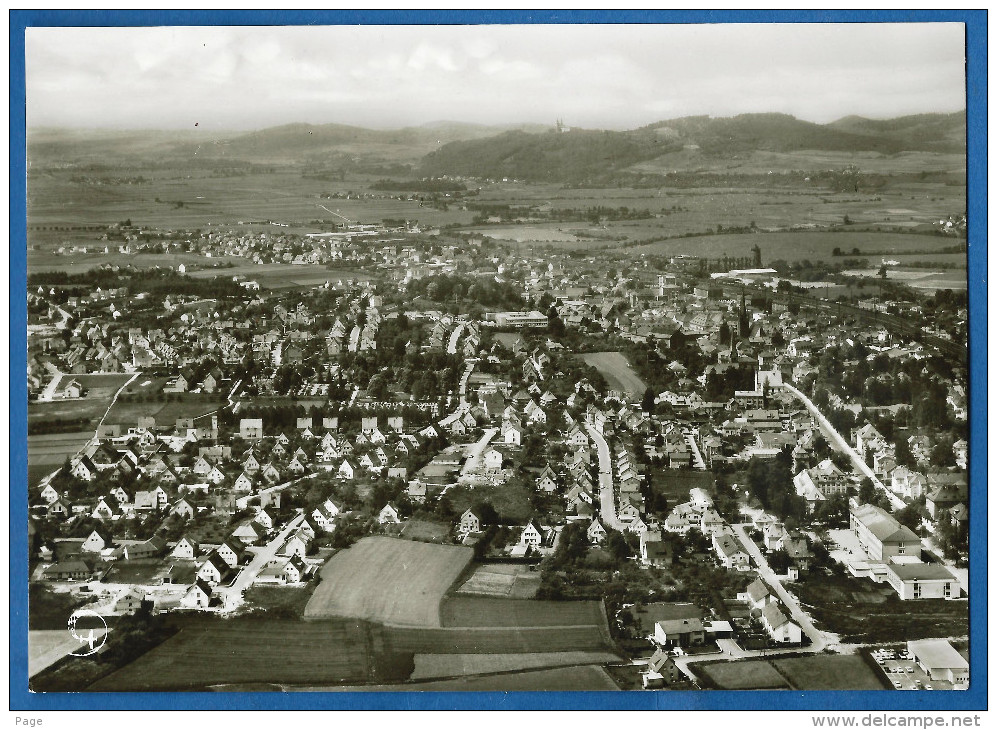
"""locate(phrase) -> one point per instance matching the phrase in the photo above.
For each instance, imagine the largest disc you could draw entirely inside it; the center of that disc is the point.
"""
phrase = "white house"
(531, 536)
(493, 460)
(388, 514)
(469, 522)
(779, 626)
(185, 549)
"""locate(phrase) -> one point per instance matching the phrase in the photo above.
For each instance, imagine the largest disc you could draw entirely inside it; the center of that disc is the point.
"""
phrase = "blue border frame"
(973, 699)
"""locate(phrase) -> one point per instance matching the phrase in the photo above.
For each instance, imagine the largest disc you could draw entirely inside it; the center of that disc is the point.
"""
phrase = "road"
(454, 338)
(48, 393)
(697, 457)
(47, 479)
(474, 453)
(842, 445)
(607, 499)
(232, 595)
(818, 639)
(463, 382)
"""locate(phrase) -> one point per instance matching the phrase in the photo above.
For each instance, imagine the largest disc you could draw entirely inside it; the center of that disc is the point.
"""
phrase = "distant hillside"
(939, 132)
(528, 151)
(585, 156)
(578, 155)
(289, 143)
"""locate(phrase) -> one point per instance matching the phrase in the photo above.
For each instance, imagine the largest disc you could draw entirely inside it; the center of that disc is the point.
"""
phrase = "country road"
(607, 499)
(47, 479)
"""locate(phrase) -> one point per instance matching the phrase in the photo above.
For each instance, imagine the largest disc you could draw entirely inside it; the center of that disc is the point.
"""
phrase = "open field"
(830, 672)
(761, 162)
(565, 679)
(923, 278)
(251, 651)
(511, 500)
(859, 610)
(398, 582)
(281, 195)
(284, 276)
(100, 389)
(431, 666)
(507, 612)
(425, 531)
(47, 452)
(742, 675)
(166, 414)
(45, 648)
(793, 246)
(675, 484)
(486, 640)
(617, 372)
(502, 580)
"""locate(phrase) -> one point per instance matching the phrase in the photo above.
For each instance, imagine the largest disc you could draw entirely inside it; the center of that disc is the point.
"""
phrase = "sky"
(593, 76)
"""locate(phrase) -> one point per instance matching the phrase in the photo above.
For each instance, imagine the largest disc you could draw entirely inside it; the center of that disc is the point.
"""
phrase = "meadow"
(397, 582)
(239, 651)
(617, 371)
(741, 675)
(564, 679)
(495, 640)
(502, 580)
(433, 666)
(283, 195)
(48, 452)
(848, 671)
(798, 245)
(506, 612)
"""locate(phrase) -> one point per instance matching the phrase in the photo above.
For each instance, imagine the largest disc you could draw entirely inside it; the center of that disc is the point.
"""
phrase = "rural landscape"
(511, 407)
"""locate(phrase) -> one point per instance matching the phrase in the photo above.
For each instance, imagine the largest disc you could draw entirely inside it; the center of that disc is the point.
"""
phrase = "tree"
(647, 402)
(616, 544)
(486, 513)
(867, 491)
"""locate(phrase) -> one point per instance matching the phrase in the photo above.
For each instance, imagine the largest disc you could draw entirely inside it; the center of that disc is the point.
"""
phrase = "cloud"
(606, 75)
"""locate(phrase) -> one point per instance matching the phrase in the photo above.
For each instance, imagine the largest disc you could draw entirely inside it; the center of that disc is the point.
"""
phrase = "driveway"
(607, 499)
(818, 639)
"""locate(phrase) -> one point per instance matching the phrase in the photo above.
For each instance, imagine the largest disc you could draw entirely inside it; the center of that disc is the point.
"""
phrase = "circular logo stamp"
(89, 628)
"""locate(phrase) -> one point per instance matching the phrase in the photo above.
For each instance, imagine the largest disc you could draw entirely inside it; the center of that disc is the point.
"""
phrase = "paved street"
(473, 462)
(232, 595)
(607, 499)
(842, 445)
(819, 640)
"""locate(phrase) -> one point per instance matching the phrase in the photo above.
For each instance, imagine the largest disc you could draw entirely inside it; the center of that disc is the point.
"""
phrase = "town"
(699, 472)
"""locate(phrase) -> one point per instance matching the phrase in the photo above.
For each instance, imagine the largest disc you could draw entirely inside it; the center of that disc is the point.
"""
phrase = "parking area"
(845, 547)
(903, 672)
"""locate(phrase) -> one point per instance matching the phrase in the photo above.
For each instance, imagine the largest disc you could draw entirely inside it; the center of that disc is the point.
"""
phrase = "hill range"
(529, 152)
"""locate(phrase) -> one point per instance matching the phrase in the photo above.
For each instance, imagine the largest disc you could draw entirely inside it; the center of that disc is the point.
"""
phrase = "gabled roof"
(757, 590)
(774, 616)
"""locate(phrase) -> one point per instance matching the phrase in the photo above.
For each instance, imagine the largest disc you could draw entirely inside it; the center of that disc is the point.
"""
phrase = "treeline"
(455, 287)
(157, 282)
(430, 185)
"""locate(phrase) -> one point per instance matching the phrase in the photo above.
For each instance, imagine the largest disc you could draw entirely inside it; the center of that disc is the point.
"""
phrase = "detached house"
(469, 522)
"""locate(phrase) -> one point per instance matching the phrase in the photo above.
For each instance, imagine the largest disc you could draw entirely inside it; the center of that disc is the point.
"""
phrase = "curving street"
(607, 499)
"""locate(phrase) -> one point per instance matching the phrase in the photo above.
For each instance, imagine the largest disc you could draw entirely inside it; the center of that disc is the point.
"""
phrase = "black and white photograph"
(497, 358)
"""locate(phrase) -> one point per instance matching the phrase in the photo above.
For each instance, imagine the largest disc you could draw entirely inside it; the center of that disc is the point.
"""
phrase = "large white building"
(941, 661)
